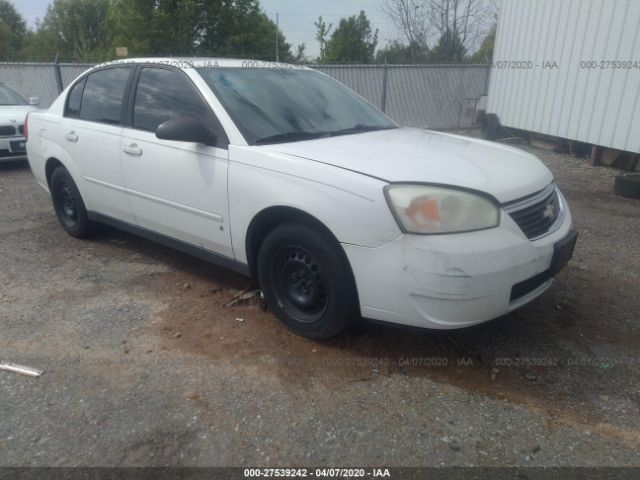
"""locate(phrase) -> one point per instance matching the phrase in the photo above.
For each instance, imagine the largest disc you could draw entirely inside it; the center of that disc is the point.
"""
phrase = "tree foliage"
(90, 30)
(411, 19)
(77, 30)
(398, 53)
(154, 27)
(13, 30)
(450, 49)
(456, 27)
(352, 42)
(322, 33)
(485, 52)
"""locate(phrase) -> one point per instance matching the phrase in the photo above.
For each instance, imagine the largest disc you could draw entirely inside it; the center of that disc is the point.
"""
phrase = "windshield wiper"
(360, 127)
(289, 137)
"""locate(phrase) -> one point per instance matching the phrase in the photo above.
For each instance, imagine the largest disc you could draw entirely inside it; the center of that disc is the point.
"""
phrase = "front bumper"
(452, 281)
(12, 148)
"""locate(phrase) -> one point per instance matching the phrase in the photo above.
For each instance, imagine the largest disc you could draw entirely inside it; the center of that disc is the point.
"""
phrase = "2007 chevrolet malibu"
(286, 175)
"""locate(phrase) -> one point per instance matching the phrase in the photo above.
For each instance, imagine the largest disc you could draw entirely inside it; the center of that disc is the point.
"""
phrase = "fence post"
(384, 86)
(487, 79)
(58, 74)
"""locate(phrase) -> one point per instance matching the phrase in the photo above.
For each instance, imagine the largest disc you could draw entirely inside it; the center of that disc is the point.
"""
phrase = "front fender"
(351, 205)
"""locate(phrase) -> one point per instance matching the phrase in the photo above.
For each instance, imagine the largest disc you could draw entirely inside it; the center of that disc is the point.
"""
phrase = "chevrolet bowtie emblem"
(550, 211)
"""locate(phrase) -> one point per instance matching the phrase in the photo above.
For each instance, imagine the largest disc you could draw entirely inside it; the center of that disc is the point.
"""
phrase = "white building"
(569, 69)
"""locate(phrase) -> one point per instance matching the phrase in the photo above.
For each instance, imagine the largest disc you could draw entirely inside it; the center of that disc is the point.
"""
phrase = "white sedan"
(13, 111)
(284, 174)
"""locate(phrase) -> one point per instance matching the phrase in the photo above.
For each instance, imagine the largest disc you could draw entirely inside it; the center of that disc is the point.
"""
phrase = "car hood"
(17, 113)
(417, 155)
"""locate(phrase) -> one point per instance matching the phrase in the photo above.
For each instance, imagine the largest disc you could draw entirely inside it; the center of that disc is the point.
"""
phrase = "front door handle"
(132, 149)
(71, 136)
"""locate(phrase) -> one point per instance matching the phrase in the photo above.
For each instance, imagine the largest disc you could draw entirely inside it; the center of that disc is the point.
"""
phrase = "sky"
(296, 17)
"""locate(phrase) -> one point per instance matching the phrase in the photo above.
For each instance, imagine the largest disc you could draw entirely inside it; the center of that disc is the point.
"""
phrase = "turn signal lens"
(424, 212)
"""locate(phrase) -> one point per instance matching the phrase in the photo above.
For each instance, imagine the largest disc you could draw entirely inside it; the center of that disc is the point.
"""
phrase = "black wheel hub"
(300, 284)
(68, 204)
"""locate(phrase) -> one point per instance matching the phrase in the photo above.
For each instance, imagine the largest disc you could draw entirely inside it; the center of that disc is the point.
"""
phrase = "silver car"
(13, 111)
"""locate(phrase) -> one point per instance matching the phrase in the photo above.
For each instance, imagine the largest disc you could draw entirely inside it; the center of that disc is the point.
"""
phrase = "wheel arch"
(271, 217)
(49, 167)
(54, 161)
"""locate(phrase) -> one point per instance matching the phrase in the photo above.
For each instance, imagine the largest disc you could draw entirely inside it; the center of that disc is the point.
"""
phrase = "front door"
(178, 189)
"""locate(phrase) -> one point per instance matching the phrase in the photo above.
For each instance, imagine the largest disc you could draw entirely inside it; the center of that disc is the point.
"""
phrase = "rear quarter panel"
(46, 142)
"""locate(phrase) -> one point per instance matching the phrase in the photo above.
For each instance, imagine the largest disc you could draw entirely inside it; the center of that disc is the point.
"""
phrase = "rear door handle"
(132, 149)
(71, 136)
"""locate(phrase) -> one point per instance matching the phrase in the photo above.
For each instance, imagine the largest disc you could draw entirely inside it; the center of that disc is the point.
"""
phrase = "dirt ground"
(146, 365)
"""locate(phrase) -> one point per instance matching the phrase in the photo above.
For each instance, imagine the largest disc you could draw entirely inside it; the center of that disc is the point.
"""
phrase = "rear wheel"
(307, 281)
(68, 204)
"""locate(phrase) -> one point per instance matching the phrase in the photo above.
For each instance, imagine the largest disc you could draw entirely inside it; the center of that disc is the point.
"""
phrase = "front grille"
(21, 129)
(6, 130)
(527, 286)
(536, 219)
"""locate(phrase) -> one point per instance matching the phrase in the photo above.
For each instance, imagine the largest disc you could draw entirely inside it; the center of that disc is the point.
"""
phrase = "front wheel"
(307, 282)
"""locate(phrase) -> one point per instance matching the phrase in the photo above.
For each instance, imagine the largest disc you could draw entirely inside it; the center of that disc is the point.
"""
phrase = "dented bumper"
(451, 281)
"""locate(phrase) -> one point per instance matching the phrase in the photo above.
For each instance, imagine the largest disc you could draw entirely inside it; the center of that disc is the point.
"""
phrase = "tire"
(627, 185)
(68, 204)
(307, 281)
(490, 127)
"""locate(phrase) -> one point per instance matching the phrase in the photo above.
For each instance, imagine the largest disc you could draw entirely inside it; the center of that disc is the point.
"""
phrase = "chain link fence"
(434, 96)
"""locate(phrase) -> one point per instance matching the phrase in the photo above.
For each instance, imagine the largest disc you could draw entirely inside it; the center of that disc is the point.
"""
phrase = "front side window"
(9, 97)
(163, 94)
(103, 95)
(278, 105)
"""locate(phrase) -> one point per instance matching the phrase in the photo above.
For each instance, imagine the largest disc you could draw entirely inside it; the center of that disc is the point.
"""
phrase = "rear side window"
(163, 94)
(75, 97)
(103, 94)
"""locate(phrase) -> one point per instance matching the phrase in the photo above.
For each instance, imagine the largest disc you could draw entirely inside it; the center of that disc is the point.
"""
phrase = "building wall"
(435, 96)
(569, 69)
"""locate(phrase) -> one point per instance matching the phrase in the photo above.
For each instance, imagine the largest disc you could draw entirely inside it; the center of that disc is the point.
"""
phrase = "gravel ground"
(145, 365)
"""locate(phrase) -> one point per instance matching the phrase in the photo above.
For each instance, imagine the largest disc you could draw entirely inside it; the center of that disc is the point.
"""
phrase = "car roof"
(197, 62)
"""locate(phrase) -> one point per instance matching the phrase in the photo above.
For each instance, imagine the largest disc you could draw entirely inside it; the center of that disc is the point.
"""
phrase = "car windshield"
(285, 105)
(9, 97)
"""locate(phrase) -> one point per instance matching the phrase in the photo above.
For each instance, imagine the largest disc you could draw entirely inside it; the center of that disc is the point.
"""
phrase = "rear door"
(91, 129)
(178, 189)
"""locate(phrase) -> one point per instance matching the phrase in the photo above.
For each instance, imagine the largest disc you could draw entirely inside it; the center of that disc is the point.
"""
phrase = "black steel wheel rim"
(300, 284)
(67, 204)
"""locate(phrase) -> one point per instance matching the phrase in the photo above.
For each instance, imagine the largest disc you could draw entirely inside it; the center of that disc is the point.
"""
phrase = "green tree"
(400, 54)
(322, 32)
(300, 56)
(485, 52)
(13, 30)
(39, 46)
(449, 49)
(411, 19)
(197, 27)
(254, 37)
(76, 29)
(352, 42)
(155, 27)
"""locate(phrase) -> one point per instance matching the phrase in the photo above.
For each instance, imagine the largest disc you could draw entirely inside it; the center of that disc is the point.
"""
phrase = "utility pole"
(277, 36)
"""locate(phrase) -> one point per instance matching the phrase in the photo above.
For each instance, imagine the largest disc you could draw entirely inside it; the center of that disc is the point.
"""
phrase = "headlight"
(424, 209)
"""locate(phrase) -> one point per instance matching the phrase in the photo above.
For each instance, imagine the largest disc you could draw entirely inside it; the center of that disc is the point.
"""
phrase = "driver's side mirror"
(35, 101)
(185, 129)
